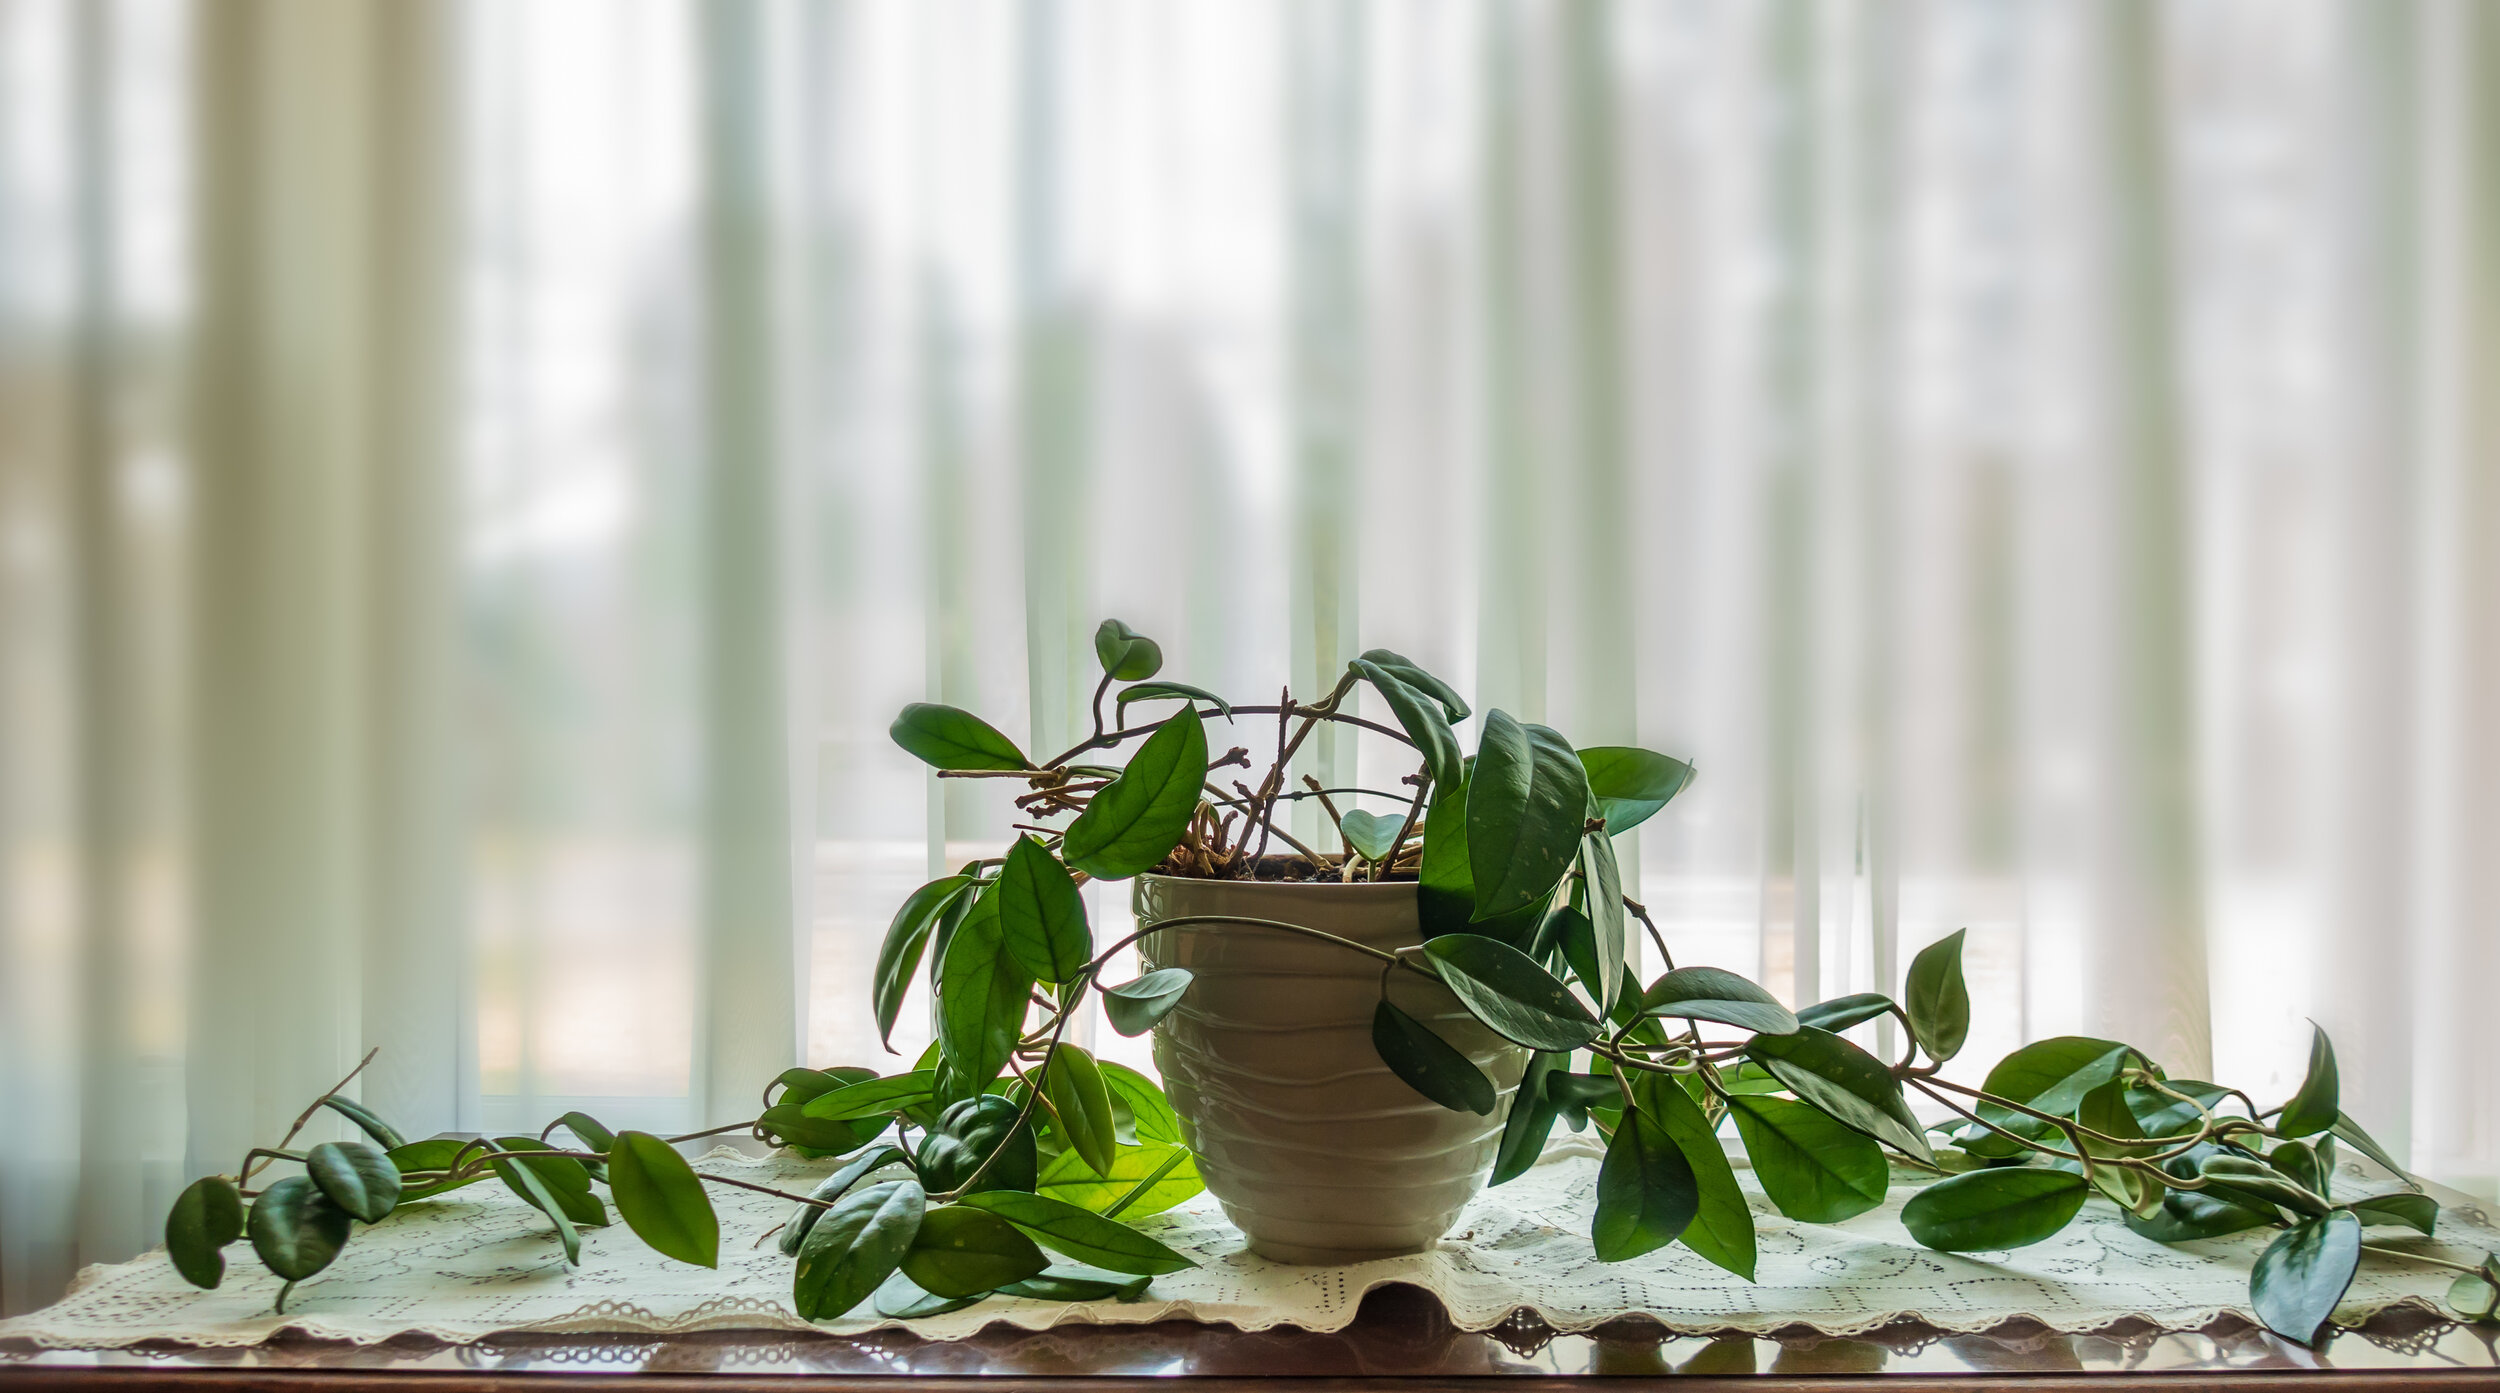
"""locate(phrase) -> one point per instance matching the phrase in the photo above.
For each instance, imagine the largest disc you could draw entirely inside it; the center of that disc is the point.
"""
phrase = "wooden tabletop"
(1401, 1333)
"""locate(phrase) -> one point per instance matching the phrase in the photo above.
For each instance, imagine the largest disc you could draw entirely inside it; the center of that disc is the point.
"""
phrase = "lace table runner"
(481, 1263)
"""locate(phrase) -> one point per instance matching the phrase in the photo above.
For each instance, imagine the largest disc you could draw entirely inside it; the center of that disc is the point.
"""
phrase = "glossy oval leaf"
(963, 1251)
(1630, 784)
(662, 1199)
(1842, 1012)
(206, 1216)
(1423, 720)
(1429, 1064)
(1530, 1120)
(1170, 691)
(1722, 1227)
(1716, 994)
(1143, 1180)
(566, 1179)
(432, 1158)
(2302, 1274)
(1080, 1234)
(872, 1097)
(1609, 923)
(1371, 834)
(947, 737)
(2316, 1106)
(383, 1134)
(900, 1298)
(357, 1178)
(295, 1228)
(1845, 1081)
(1082, 1102)
(834, 1187)
(2351, 1133)
(1446, 898)
(2188, 1215)
(982, 996)
(2052, 1075)
(1505, 989)
(1646, 1194)
(1812, 1167)
(1073, 1286)
(2417, 1212)
(1134, 821)
(1125, 654)
(1453, 706)
(1935, 998)
(967, 1133)
(1527, 804)
(1041, 914)
(854, 1247)
(1987, 1210)
(594, 1134)
(787, 1124)
(1134, 1007)
(898, 958)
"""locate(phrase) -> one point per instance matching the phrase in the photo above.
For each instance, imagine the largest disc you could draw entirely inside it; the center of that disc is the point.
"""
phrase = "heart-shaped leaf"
(1716, 994)
(834, 1187)
(1134, 1007)
(1646, 1194)
(1630, 784)
(1429, 1064)
(1935, 998)
(662, 1200)
(1371, 834)
(1986, 1210)
(1077, 1233)
(905, 940)
(1134, 821)
(1722, 1227)
(1041, 915)
(854, 1247)
(2315, 1107)
(1845, 1081)
(1505, 989)
(1527, 804)
(1423, 720)
(1842, 1012)
(1127, 655)
(962, 1251)
(947, 737)
(1453, 707)
(295, 1228)
(206, 1217)
(1812, 1167)
(1082, 1101)
(357, 1178)
(2302, 1274)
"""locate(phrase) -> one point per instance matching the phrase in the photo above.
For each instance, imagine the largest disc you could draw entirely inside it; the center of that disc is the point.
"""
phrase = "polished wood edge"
(40, 1379)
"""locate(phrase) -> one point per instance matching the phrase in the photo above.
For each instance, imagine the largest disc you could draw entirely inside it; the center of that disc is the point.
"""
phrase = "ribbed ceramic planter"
(1317, 1152)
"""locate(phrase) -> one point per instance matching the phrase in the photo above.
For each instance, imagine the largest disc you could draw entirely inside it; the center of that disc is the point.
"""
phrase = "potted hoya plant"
(1357, 1035)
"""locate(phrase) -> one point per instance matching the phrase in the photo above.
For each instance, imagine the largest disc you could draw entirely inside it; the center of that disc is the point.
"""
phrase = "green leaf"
(2411, 1210)
(367, 1120)
(1166, 1171)
(296, 1229)
(965, 1135)
(945, 737)
(1150, 1113)
(1446, 898)
(2052, 1076)
(2314, 1107)
(1134, 821)
(593, 1134)
(356, 1177)
(1842, 1012)
(1505, 989)
(982, 995)
(1371, 834)
(787, 1124)
(2298, 1160)
(1082, 1102)
(1646, 1194)
(1077, 1233)
(900, 1298)
(431, 1155)
(2301, 1275)
(1134, 1007)
(2247, 1180)
(1065, 1285)
(855, 1247)
(1429, 1064)
(1845, 1081)
(2351, 1132)
(1531, 1118)
(1630, 783)
(1170, 691)
(1715, 994)
(1812, 1167)
(1722, 1227)
(1041, 915)
(662, 1200)
(872, 1097)
(962, 1251)
(905, 940)
(1127, 655)
(2475, 1296)
(2105, 1110)
(834, 1187)
(1935, 998)
(1527, 802)
(206, 1217)
(1987, 1210)
(1453, 707)
(2188, 1215)
(2159, 1115)
(1609, 924)
(563, 1179)
(1422, 718)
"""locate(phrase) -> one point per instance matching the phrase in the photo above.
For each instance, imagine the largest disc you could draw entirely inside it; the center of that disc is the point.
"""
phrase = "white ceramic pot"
(1317, 1152)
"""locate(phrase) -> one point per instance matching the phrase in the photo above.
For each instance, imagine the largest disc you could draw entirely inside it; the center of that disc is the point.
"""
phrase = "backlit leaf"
(1135, 821)
(946, 737)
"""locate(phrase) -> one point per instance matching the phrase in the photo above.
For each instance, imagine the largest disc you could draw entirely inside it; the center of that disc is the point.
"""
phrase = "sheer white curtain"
(477, 479)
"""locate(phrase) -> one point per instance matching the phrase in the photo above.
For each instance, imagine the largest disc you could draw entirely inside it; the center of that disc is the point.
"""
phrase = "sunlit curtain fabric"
(476, 480)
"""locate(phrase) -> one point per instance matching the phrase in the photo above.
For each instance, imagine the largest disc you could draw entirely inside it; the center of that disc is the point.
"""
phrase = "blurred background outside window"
(476, 480)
